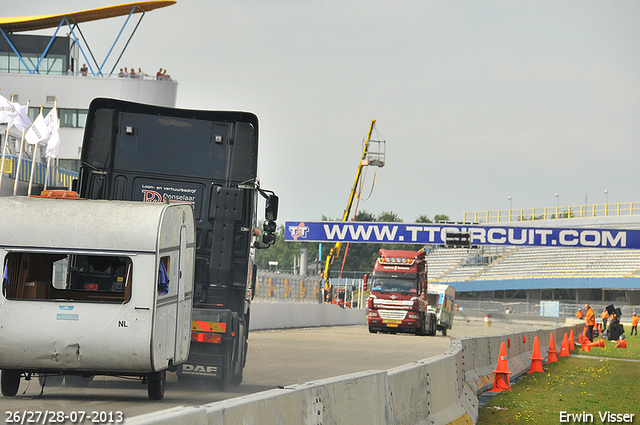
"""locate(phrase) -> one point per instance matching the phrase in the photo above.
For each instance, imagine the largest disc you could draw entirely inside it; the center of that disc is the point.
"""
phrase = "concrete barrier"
(440, 390)
(292, 315)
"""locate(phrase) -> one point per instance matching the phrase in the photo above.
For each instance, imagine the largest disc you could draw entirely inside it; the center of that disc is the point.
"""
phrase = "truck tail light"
(208, 337)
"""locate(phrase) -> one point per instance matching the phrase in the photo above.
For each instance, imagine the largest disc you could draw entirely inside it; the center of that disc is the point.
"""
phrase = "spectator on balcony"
(84, 70)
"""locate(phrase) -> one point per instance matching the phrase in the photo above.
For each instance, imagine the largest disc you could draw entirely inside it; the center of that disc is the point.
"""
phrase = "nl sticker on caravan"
(436, 234)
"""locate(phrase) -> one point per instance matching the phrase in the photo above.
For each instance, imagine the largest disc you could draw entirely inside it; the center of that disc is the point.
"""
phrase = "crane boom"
(335, 251)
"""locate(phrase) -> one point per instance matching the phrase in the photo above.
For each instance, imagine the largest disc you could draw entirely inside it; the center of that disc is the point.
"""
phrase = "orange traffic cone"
(572, 345)
(622, 343)
(501, 380)
(552, 351)
(598, 343)
(586, 347)
(583, 336)
(564, 347)
(536, 358)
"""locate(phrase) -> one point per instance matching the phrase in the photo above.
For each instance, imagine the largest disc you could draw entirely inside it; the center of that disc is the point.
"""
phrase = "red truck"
(398, 299)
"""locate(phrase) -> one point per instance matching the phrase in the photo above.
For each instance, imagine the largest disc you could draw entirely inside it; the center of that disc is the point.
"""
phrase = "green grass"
(573, 385)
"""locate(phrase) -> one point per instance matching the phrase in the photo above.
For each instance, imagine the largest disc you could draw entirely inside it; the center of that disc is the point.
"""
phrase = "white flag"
(7, 111)
(51, 120)
(21, 120)
(38, 131)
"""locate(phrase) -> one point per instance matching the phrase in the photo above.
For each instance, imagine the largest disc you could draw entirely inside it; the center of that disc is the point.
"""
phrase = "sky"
(478, 101)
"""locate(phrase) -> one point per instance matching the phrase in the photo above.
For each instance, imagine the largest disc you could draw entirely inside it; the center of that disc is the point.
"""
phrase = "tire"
(420, 329)
(372, 330)
(10, 382)
(156, 384)
(444, 332)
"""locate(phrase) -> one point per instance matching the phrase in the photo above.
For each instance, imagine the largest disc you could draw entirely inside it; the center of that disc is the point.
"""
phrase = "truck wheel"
(10, 382)
(156, 383)
(372, 330)
(444, 332)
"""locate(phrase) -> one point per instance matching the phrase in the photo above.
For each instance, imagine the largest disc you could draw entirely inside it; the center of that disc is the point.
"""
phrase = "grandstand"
(587, 274)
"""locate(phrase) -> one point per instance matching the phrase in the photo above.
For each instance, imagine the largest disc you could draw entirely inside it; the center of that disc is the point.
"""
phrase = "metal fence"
(550, 213)
(562, 309)
(57, 176)
(284, 287)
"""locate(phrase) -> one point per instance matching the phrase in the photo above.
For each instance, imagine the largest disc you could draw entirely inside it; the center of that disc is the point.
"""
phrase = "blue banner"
(426, 234)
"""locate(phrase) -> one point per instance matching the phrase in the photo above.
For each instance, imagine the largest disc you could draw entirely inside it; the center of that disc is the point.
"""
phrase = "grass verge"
(574, 385)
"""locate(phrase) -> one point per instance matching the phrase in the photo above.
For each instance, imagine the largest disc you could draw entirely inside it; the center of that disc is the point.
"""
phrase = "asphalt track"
(276, 359)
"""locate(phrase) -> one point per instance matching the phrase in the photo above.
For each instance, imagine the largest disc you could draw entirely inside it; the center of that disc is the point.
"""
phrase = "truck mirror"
(268, 239)
(271, 208)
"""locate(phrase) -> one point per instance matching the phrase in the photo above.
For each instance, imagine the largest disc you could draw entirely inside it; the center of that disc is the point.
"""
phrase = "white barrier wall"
(292, 315)
(438, 390)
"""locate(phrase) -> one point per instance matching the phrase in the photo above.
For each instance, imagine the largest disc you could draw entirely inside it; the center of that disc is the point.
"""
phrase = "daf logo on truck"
(198, 369)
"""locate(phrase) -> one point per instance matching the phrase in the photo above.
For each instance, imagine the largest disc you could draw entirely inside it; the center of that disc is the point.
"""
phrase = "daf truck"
(207, 160)
(398, 299)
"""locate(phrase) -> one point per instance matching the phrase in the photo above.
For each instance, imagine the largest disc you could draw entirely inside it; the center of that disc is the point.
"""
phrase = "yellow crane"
(370, 157)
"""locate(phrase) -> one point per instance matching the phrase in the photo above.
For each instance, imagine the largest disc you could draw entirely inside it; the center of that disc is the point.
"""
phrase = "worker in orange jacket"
(590, 319)
(634, 324)
(580, 314)
(605, 316)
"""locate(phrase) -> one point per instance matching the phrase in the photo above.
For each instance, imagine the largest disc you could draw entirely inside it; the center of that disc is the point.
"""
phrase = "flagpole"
(15, 183)
(4, 150)
(33, 162)
(46, 176)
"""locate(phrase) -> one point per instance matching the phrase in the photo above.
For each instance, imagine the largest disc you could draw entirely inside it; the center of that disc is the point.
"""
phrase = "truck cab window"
(61, 276)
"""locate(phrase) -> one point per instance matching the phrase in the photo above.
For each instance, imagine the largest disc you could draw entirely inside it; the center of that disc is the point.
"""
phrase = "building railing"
(57, 176)
(551, 213)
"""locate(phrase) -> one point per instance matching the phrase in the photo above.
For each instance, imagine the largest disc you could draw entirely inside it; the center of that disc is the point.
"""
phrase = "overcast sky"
(478, 101)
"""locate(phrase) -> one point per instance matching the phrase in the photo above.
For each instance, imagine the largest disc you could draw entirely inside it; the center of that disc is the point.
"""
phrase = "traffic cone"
(622, 343)
(552, 351)
(564, 347)
(598, 343)
(572, 345)
(584, 335)
(586, 348)
(501, 380)
(536, 358)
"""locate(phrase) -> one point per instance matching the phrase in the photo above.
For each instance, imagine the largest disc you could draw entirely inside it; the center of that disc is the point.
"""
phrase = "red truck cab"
(398, 298)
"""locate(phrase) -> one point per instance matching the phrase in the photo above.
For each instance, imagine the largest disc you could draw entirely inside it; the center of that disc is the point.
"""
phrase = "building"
(47, 70)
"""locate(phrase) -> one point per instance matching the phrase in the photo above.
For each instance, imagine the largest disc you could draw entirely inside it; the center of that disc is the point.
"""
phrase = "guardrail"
(551, 213)
(57, 176)
(438, 390)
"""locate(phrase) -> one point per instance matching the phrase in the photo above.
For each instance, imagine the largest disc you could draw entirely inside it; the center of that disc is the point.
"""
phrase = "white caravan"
(94, 288)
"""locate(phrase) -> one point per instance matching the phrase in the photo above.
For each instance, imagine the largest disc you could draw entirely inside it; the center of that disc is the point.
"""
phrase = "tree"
(441, 217)
(423, 219)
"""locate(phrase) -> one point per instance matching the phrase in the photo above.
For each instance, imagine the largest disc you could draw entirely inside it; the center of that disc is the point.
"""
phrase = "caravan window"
(60, 276)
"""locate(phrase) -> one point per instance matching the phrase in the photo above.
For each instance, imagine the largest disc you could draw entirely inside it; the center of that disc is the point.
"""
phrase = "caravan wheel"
(156, 384)
(10, 382)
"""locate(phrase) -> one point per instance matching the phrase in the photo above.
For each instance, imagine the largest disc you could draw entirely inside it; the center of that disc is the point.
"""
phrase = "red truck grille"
(392, 314)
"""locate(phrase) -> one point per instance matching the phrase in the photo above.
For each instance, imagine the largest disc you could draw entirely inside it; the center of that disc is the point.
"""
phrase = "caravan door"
(183, 322)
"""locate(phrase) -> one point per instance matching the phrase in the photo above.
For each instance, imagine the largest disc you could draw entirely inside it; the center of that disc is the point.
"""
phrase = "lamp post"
(606, 206)
(557, 205)
(510, 207)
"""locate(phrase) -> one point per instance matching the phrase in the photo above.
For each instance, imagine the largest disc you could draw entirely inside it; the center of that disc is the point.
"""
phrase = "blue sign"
(427, 234)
